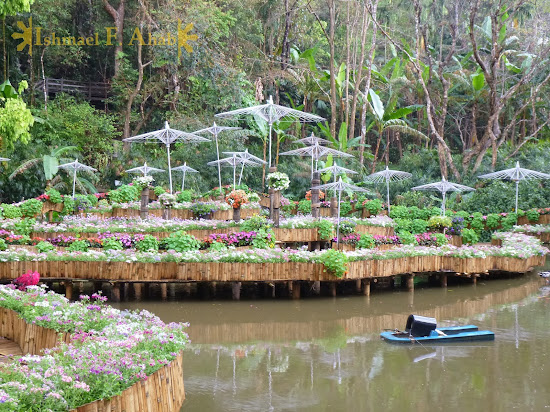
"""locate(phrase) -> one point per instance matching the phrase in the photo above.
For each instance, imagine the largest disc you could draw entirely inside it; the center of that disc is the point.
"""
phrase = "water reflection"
(325, 354)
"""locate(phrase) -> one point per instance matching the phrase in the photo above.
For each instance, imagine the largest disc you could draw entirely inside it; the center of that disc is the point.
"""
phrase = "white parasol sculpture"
(247, 156)
(443, 187)
(339, 187)
(167, 136)
(145, 169)
(185, 169)
(233, 161)
(516, 174)
(385, 176)
(337, 170)
(271, 113)
(215, 130)
(76, 166)
(4, 159)
(316, 151)
(312, 139)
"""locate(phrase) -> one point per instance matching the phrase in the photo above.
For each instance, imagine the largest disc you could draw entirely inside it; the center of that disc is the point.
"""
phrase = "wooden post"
(332, 289)
(164, 291)
(236, 290)
(295, 290)
(167, 213)
(115, 292)
(276, 207)
(186, 290)
(212, 286)
(409, 279)
(366, 287)
(358, 285)
(68, 289)
(316, 287)
(237, 214)
(315, 205)
(290, 287)
(172, 290)
(333, 206)
(125, 290)
(271, 193)
(138, 287)
(443, 280)
(144, 206)
(474, 280)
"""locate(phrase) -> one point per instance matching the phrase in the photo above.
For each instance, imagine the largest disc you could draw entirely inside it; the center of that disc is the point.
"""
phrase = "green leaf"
(403, 111)
(478, 80)
(7, 90)
(377, 104)
(50, 166)
(343, 136)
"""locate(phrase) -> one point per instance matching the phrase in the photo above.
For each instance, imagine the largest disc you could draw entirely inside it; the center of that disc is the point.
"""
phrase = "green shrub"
(24, 226)
(469, 236)
(159, 190)
(149, 243)
(439, 223)
(180, 241)
(347, 227)
(253, 197)
(533, 215)
(407, 238)
(477, 223)
(374, 206)
(11, 211)
(81, 202)
(335, 262)
(3, 245)
(217, 247)
(413, 198)
(509, 221)
(201, 209)
(366, 241)
(265, 238)
(185, 196)
(68, 205)
(419, 226)
(55, 196)
(78, 246)
(440, 239)
(124, 194)
(254, 223)
(493, 221)
(111, 243)
(93, 200)
(304, 207)
(325, 229)
(402, 224)
(345, 208)
(43, 247)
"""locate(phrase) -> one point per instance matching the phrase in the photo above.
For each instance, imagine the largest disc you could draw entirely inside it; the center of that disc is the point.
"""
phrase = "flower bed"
(103, 353)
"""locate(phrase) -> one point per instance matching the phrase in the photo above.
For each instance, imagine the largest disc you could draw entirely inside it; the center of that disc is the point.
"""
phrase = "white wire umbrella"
(145, 170)
(339, 187)
(167, 136)
(385, 176)
(271, 113)
(233, 162)
(215, 130)
(247, 156)
(76, 166)
(185, 169)
(4, 159)
(337, 170)
(312, 139)
(516, 174)
(443, 187)
(316, 151)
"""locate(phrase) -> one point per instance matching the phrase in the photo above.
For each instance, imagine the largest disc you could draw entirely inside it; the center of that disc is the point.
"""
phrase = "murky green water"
(326, 355)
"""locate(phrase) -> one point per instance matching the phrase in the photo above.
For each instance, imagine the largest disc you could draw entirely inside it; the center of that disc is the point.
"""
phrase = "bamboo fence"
(162, 391)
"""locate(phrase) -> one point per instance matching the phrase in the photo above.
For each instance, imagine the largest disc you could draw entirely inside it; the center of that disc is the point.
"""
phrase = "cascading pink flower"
(31, 278)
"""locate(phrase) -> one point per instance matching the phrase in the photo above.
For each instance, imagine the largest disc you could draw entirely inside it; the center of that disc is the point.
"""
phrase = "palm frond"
(407, 130)
(25, 166)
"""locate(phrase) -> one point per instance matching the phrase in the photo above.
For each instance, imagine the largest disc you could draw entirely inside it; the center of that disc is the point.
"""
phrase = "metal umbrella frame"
(312, 139)
(145, 169)
(337, 170)
(271, 113)
(233, 161)
(75, 166)
(340, 186)
(167, 136)
(516, 174)
(316, 151)
(4, 159)
(385, 176)
(215, 130)
(185, 169)
(443, 187)
(247, 156)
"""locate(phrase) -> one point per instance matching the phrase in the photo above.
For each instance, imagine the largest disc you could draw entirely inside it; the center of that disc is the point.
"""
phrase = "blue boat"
(424, 330)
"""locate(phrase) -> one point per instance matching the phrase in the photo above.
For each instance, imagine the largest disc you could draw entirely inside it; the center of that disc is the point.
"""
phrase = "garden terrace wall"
(261, 272)
(162, 391)
(186, 213)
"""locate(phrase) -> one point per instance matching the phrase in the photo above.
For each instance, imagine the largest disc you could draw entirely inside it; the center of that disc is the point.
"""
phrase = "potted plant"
(236, 199)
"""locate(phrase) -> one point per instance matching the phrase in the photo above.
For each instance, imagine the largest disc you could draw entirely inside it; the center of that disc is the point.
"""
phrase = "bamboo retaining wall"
(261, 272)
(162, 391)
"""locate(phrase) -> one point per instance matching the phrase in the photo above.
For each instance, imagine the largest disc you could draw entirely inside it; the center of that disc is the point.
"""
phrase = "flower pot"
(237, 214)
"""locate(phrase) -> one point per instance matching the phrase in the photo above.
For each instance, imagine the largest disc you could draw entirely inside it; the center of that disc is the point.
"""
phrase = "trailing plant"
(68, 205)
(201, 209)
(24, 226)
(325, 229)
(11, 211)
(347, 227)
(167, 200)
(3, 245)
(255, 223)
(159, 190)
(217, 247)
(304, 207)
(439, 223)
(407, 238)
(82, 203)
(141, 182)
(277, 181)
(185, 196)
(31, 207)
(112, 243)
(374, 206)
(264, 239)
(335, 262)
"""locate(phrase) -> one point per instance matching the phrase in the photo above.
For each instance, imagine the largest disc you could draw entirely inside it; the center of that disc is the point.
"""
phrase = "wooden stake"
(236, 290)
(366, 287)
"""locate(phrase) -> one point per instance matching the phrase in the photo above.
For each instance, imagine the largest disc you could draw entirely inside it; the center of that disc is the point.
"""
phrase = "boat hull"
(468, 333)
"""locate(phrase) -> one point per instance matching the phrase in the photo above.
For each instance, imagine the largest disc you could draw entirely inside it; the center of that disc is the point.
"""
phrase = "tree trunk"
(118, 18)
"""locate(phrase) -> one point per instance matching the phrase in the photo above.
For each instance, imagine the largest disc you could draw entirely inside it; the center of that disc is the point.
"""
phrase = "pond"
(325, 354)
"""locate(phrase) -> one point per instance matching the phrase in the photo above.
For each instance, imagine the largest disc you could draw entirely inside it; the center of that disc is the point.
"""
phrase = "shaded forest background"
(450, 88)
